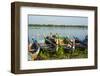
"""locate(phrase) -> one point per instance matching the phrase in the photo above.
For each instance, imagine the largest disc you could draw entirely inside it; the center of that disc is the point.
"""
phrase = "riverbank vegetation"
(61, 54)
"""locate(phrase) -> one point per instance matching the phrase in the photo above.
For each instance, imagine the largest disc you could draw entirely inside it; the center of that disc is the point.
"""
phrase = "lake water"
(40, 32)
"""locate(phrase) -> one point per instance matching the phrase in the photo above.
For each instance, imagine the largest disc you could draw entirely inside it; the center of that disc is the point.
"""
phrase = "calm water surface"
(40, 32)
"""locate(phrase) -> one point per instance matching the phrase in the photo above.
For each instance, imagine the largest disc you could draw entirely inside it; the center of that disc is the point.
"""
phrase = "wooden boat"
(81, 43)
(34, 50)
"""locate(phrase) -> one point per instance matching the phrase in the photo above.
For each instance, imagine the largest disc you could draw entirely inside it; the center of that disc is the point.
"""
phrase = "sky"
(57, 20)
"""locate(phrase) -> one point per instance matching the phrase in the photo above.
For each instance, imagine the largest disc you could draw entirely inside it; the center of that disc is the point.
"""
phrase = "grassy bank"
(62, 54)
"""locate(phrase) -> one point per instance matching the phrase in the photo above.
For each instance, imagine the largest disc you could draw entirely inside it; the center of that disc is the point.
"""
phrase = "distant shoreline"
(52, 25)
